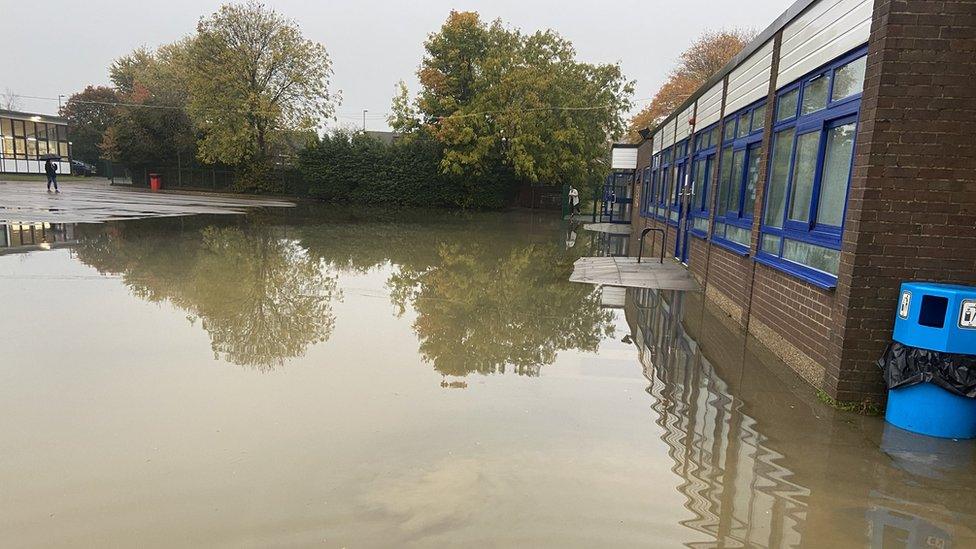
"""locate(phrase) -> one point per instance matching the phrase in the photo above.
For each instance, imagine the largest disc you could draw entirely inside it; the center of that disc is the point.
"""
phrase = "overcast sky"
(60, 46)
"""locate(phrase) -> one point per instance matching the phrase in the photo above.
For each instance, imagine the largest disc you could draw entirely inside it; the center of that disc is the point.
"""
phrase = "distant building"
(28, 139)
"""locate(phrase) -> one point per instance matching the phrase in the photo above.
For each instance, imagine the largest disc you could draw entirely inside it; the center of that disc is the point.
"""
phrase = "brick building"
(833, 158)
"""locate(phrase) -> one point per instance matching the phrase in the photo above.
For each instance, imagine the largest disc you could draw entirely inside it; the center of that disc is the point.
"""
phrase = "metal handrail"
(640, 250)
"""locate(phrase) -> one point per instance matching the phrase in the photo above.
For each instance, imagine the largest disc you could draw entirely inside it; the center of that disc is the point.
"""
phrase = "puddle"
(336, 377)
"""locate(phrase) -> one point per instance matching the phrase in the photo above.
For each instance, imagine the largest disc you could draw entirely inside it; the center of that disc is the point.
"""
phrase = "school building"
(27, 140)
(832, 159)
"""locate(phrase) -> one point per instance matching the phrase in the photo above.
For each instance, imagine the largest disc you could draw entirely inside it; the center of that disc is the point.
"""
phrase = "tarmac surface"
(97, 201)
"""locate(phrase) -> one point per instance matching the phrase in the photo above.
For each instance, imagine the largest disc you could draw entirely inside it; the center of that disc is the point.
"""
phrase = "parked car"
(82, 168)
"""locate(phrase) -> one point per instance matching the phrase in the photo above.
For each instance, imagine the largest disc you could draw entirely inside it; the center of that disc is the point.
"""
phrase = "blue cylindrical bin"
(930, 410)
(941, 319)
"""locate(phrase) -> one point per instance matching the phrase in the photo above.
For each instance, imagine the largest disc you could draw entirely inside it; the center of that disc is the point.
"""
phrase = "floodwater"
(335, 378)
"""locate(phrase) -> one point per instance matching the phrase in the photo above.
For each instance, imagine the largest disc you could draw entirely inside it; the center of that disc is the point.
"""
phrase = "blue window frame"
(648, 197)
(665, 173)
(676, 181)
(702, 170)
(645, 178)
(810, 169)
(739, 167)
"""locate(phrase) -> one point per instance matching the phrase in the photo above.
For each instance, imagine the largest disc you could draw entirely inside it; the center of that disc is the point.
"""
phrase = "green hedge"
(357, 168)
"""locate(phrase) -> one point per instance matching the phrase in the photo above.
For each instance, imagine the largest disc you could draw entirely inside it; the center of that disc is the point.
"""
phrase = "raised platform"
(627, 272)
(611, 228)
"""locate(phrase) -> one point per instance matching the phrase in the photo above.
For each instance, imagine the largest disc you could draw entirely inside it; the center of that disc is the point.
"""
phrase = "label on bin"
(906, 301)
(967, 314)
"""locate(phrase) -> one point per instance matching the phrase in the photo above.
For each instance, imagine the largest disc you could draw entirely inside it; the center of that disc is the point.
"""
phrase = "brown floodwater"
(358, 378)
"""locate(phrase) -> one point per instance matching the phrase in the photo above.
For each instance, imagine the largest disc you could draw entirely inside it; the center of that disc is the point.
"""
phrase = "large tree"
(494, 97)
(706, 56)
(89, 112)
(150, 127)
(253, 76)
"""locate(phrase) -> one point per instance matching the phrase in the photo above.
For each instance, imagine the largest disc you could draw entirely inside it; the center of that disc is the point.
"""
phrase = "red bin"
(155, 181)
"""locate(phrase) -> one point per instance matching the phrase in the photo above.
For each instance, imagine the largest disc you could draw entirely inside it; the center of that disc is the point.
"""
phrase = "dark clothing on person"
(52, 174)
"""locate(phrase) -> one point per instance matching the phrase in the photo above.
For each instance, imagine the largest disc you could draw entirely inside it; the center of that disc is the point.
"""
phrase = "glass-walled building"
(826, 163)
(29, 139)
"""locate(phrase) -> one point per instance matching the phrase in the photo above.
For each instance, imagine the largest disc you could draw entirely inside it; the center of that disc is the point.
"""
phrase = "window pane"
(778, 174)
(724, 179)
(815, 257)
(709, 171)
(836, 173)
(849, 79)
(701, 224)
(31, 140)
(62, 132)
(729, 132)
(752, 179)
(770, 244)
(6, 128)
(786, 105)
(662, 189)
(804, 168)
(63, 149)
(713, 137)
(743, 128)
(738, 235)
(720, 230)
(815, 95)
(738, 158)
(696, 184)
(759, 118)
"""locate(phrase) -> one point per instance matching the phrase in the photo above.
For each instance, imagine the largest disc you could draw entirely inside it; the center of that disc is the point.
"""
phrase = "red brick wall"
(697, 256)
(912, 205)
(730, 273)
(801, 313)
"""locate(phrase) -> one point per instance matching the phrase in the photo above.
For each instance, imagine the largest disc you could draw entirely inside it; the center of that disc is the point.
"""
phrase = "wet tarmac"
(97, 201)
(341, 377)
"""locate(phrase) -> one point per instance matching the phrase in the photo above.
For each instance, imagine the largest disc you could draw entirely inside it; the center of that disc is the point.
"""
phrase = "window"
(810, 169)
(728, 133)
(743, 127)
(702, 172)
(7, 136)
(779, 171)
(31, 140)
(815, 94)
(804, 168)
(838, 153)
(786, 105)
(849, 79)
(20, 143)
(739, 167)
(758, 118)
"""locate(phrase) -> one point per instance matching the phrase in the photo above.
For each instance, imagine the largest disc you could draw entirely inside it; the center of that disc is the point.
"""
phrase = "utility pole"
(60, 95)
(364, 120)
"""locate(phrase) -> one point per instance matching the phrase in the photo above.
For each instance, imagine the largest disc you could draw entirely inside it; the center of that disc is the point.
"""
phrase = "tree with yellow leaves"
(706, 56)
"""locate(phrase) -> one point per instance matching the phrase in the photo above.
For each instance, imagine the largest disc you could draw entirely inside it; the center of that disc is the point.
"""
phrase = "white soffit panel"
(825, 31)
(750, 80)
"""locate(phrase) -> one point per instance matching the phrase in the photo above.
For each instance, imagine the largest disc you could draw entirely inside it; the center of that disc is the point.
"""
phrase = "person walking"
(573, 200)
(52, 175)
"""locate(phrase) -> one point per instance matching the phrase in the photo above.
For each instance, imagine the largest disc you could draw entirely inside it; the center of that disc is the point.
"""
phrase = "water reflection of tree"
(262, 298)
(484, 310)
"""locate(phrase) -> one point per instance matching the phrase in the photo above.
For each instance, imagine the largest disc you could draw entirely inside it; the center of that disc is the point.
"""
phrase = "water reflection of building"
(25, 237)
(737, 491)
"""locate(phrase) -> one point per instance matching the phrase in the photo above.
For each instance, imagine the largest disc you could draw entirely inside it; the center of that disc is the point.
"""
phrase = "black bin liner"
(904, 366)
